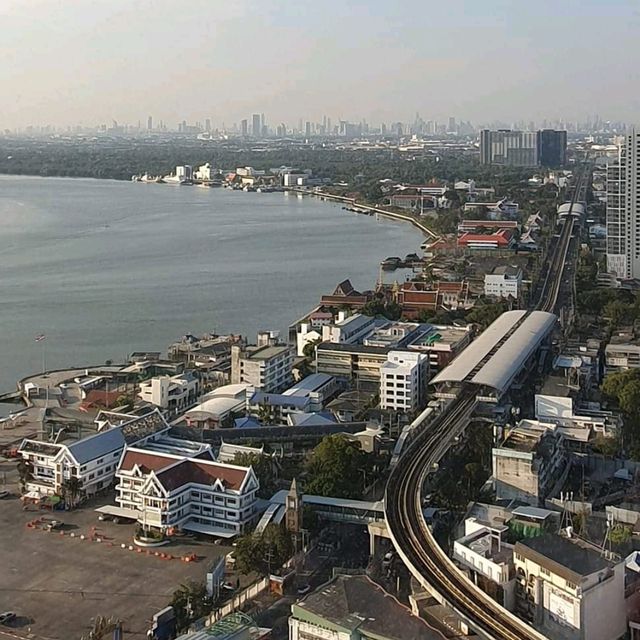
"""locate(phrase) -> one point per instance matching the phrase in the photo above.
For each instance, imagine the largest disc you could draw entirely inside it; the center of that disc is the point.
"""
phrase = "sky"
(66, 62)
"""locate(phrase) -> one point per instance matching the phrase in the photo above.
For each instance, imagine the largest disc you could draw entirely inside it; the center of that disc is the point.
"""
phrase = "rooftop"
(570, 559)
(266, 352)
(356, 603)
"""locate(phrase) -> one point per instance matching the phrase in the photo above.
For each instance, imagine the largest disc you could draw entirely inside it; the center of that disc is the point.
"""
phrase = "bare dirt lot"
(57, 583)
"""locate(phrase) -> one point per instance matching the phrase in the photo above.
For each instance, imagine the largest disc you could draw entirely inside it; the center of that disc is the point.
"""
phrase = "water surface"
(104, 268)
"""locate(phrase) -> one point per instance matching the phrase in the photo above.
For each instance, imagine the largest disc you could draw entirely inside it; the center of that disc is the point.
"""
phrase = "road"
(409, 533)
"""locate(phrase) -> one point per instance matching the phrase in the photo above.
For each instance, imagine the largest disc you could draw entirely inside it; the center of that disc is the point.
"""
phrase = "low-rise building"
(505, 281)
(171, 393)
(622, 356)
(568, 589)
(218, 406)
(92, 460)
(344, 295)
(528, 463)
(266, 366)
(403, 381)
(355, 608)
(307, 396)
(502, 239)
(168, 491)
(489, 562)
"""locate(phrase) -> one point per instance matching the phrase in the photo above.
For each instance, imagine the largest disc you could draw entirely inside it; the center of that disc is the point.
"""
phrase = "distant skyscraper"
(623, 209)
(207, 124)
(307, 129)
(452, 125)
(552, 148)
(509, 148)
(149, 123)
(256, 125)
(244, 126)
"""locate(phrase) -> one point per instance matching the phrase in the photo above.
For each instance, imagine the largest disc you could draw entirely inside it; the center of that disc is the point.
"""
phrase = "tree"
(190, 602)
(309, 349)
(623, 389)
(263, 553)
(25, 473)
(71, 490)
(619, 534)
(264, 468)
(485, 313)
(266, 413)
(337, 468)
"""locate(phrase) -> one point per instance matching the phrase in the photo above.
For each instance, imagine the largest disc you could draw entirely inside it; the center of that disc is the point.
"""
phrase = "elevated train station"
(495, 360)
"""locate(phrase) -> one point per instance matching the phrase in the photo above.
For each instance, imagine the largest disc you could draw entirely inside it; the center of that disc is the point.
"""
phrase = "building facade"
(569, 590)
(168, 491)
(528, 463)
(403, 381)
(509, 148)
(266, 366)
(623, 210)
(503, 282)
(172, 393)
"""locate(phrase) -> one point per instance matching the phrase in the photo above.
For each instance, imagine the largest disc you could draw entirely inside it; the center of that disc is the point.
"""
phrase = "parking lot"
(57, 583)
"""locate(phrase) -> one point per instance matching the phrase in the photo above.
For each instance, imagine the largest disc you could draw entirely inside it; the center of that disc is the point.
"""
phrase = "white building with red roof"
(171, 491)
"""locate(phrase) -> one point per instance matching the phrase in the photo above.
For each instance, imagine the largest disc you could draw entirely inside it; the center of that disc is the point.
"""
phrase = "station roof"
(512, 338)
(472, 356)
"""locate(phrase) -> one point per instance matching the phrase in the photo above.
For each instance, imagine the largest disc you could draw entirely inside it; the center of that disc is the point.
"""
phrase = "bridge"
(491, 364)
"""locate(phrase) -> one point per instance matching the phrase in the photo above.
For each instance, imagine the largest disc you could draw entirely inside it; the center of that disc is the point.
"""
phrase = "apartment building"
(623, 209)
(171, 393)
(266, 366)
(528, 463)
(568, 589)
(171, 491)
(93, 460)
(403, 381)
(622, 356)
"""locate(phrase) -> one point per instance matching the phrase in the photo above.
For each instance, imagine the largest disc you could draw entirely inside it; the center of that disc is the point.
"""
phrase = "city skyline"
(351, 60)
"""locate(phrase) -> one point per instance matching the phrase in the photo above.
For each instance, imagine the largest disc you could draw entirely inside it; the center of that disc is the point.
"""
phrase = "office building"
(256, 125)
(552, 148)
(171, 393)
(244, 128)
(92, 460)
(523, 148)
(403, 381)
(509, 148)
(149, 123)
(568, 589)
(623, 210)
(172, 491)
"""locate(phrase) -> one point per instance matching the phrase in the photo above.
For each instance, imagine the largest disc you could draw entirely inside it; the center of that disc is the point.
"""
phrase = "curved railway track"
(409, 532)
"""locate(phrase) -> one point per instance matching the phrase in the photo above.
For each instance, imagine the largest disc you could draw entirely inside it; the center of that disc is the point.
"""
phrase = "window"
(545, 572)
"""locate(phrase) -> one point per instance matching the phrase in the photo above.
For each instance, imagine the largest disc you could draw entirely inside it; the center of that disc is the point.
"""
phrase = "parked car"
(4, 494)
(7, 617)
(304, 589)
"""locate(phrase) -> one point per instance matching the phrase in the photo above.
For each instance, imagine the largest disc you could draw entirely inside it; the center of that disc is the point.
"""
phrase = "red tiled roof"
(201, 473)
(147, 461)
(501, 237)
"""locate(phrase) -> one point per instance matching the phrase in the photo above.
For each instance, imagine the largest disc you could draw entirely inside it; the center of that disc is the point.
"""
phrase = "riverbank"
(371, 209)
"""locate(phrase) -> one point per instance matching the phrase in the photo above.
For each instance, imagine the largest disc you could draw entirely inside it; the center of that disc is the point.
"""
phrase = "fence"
(238, 600)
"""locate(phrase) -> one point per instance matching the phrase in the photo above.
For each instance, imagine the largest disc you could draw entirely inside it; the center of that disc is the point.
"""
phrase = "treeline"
(120, 160)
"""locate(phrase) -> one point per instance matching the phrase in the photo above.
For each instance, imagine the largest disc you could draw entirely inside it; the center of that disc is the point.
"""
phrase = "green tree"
(484, 313)
(71, 490)
(337, 468)
(263, 553)
(190, 602)
(25, 473)
(623, 389)
(266, 413)
(265, 469)
(619, 534)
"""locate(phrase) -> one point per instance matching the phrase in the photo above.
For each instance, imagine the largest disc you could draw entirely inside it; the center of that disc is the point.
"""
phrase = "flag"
(40, 338)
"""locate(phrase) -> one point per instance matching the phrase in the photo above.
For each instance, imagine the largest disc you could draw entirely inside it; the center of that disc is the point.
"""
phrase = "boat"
(391, 263)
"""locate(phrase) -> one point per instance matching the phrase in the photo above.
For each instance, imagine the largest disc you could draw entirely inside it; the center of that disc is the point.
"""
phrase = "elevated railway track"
(429, 438)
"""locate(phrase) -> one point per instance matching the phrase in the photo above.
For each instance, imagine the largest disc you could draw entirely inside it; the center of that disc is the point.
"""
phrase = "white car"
(7, 616)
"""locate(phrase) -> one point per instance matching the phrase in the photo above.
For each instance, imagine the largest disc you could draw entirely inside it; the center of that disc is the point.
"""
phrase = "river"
(104, 268)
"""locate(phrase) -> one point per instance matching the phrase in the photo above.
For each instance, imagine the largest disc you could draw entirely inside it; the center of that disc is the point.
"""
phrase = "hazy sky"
(91, 61)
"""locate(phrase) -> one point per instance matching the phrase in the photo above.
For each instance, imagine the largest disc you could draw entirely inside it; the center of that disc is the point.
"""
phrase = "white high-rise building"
(623, 210)
(403, 380)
